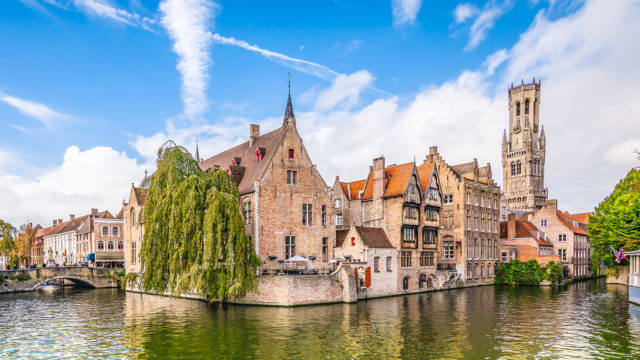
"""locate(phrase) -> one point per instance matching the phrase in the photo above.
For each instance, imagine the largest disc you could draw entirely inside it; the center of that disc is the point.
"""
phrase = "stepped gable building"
(133, 213)
(468, 236)
(568, 235)
(402, 201)
(523, 150)
(523, 240)
(284, 200)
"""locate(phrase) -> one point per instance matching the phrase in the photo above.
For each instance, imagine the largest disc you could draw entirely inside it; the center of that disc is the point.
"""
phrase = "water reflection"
(583, 320)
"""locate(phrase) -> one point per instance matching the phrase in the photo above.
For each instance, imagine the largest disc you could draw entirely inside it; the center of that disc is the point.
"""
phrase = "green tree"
(616, 221)
(7, 236)
(194, 240)
(22, 243)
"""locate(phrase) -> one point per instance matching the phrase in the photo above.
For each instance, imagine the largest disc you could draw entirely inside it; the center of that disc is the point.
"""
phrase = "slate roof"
(253, 168)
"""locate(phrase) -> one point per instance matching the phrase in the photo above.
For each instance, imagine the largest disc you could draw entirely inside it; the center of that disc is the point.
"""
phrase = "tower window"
(526, 106)
(513, 168)
(518, 167)
(518, 108)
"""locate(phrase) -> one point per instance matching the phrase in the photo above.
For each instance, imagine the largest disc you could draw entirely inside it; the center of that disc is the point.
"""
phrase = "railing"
(446, 267)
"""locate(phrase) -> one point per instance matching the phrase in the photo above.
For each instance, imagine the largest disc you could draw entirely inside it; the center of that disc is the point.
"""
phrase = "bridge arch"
(76, 280)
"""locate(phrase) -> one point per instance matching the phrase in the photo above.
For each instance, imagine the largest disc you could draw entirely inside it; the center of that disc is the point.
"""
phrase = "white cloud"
(99, 177)
(405, 11)
(463, 12)
(353, 45)
(102, 8)
(624, 154)
(344, 91)
(484, 19)
(46, 115)
(187, 22)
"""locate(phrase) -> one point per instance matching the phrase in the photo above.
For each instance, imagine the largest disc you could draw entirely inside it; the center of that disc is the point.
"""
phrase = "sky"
(90, 89)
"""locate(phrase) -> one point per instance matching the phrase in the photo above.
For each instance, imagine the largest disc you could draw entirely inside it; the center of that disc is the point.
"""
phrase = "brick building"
(403, 201)
(468, 237)
(568, 235)
(285, 202)
(133, 224)
(522, 240)
(37, 246)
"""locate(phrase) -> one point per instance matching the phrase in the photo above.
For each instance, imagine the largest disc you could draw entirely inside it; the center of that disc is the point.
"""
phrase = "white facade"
(63, 247)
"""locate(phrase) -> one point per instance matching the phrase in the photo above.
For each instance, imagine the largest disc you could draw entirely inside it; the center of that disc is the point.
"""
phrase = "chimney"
(71, 217)
(511, 226)
(433, 150)
(59, 221)
(94, 212)
(378, 177)
(553, 204)
(55, 222)
(254, 133)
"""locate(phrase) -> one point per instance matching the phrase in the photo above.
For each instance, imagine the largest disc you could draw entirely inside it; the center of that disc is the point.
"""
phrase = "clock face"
(516, 129)
(535, 127)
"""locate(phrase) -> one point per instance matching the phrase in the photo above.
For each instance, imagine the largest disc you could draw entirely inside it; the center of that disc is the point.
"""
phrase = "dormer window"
(258, 155)
(290, 153)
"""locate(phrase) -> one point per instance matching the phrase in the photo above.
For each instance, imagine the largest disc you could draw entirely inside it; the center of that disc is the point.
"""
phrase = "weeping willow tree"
(194, 240)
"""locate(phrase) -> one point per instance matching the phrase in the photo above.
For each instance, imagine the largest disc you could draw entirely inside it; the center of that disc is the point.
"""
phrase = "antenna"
(289, 82)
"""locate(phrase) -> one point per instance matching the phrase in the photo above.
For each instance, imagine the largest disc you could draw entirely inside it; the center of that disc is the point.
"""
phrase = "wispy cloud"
(187, 23)
(46, 115)
(405, 11)
(483, 19)
(102, 8)
(304, 66)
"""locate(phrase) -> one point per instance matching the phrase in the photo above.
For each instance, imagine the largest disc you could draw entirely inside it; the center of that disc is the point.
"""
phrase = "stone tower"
(523, 150)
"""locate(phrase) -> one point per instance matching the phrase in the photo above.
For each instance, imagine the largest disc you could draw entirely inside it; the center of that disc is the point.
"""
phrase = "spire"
(542, 132)
(504, 137)
(197, 152)
(288, 112)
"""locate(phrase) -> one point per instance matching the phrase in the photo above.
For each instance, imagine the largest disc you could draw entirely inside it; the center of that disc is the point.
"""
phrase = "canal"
(583, 320)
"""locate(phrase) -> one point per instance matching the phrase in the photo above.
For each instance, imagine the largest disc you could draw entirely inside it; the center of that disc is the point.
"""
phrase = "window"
(376, 264)
(134, 254)
(469, 271)
(338, 220)
(121, 245)
(481, 270)
(389, 263)
(495, 248)
(475, 248)
(495, 203)
(513, 168)
(475, 220)
(448, 249)
(100, 245)
(290, 153)
(325, 249)
(410, 213)
(562, 237)
(405, 258)
(246, 209)
(336, 204)
(447, 199)
(289, 246)
(324, 215)
(526, 106)
(488, 221)
(307, 214)
(110, 245)
(448, 216)
(291, 177)
(482, 220)
(482, 201)
(258, 155)
(353, 241)
(409, 234)
(518, 109)
(431, 214)
(433, 194)
(468, 241)
(475, 199)
(518, 167)
(543, 223)
(105, 231)
(495, 223)
(426, 258)
(468, 219)
(563, 254)
(412, 194)
(133, 218)
(429, 236)
(468, 197)
(482, 250)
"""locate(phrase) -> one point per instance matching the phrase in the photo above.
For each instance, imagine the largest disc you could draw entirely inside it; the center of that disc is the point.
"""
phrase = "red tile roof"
(424, 174)
(524, 229)
(353, 188)
(374, 237)
(397, 178)
(582, 218)
(569, 223)
(247, 154)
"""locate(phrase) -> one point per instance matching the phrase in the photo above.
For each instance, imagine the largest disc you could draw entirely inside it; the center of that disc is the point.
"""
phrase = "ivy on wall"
(517, 272)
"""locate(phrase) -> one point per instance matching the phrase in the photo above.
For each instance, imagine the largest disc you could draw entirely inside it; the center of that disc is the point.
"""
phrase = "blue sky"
(90, 89)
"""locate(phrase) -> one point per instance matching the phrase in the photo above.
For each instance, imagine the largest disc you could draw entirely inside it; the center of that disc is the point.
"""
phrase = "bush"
(517, 272)
(20, 277)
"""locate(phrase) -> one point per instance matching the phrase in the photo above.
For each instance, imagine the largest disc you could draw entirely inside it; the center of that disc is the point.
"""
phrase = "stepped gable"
(253, 169)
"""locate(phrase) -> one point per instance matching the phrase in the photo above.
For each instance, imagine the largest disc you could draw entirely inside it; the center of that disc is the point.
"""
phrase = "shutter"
(367, 277)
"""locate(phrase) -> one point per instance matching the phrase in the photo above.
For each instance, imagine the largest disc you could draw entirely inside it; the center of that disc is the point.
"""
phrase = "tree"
(7, 235)
(194, 240)
(616, 221)
(22, 243)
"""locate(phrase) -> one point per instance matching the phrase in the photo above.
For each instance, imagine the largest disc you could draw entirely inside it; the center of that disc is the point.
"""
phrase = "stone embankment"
(30, 279)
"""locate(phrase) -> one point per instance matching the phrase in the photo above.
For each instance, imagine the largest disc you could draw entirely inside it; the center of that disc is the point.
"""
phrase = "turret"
(543, 140)
(288, 112)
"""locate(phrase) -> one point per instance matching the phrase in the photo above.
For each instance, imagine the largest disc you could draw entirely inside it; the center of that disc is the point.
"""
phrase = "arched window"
(513, 168)
(518, 108)
(120, 245)
(405, 283)
(133, 218)
(110, 245)
(105, 231)
(115, 231)
(518, 167)
(526, 106)
(100, 245)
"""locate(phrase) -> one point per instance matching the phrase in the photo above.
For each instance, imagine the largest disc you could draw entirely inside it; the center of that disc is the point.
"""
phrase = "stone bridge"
(30, 279)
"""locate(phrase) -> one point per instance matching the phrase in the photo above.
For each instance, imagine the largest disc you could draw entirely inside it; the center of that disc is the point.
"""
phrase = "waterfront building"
(369, 251)
(133, 224)
(37, 246)
(524, 150)
(468, 236)
(285, 202)
(523, 240)
(568, 235)
(634, 276)
(61, 241)
(404, 202)
(107, 238)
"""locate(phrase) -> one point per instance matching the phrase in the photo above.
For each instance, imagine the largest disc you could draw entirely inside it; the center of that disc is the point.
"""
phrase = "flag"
(619, 254)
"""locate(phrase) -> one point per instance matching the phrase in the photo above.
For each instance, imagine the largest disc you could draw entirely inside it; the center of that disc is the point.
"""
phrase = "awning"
(91, 257)
(296, 258)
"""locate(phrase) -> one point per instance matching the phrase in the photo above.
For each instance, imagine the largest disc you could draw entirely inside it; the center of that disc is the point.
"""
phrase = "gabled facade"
(569, 237)
(523, 240)
(133, 215)
(469, 224)
(285, 202)
(403, 200)
(108, 239)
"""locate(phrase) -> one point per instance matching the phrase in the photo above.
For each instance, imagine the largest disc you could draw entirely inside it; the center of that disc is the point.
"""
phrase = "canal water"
(580, 321)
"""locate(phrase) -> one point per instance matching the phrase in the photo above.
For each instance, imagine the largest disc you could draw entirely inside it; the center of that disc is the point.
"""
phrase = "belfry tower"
(523, 150)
